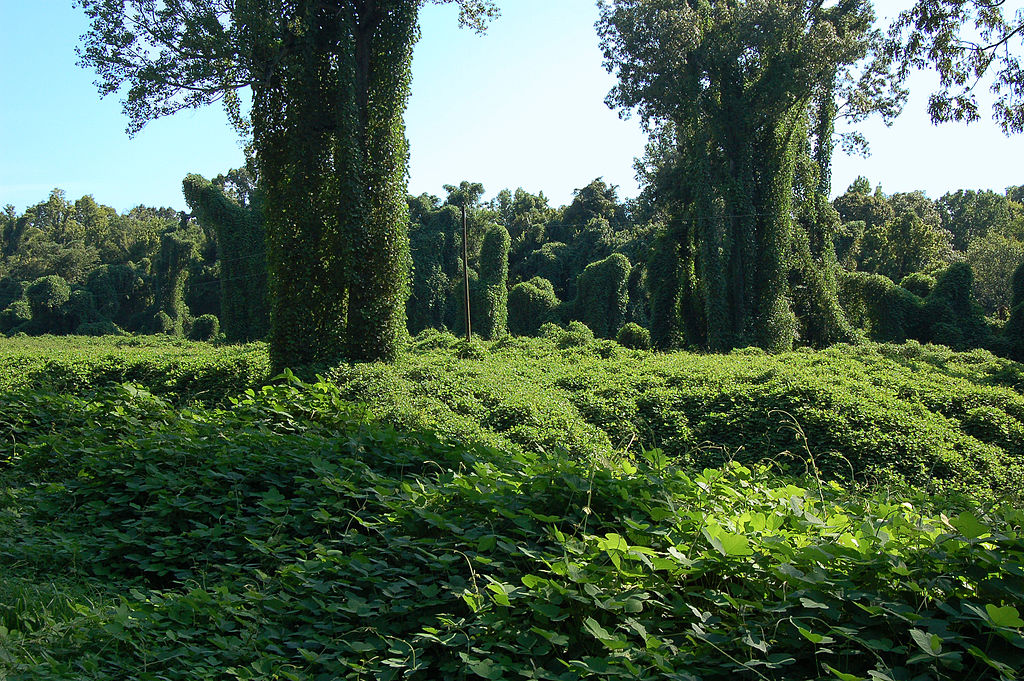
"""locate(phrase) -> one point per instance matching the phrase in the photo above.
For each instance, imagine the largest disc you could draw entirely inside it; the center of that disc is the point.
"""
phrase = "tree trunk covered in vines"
(734, 84)
(332, 153)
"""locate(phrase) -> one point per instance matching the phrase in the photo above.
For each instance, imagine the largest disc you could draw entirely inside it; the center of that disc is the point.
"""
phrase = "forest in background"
(79, 267)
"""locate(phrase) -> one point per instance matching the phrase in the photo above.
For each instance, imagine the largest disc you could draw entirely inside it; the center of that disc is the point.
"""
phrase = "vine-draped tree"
(735, 90)
(329, 82)
(241, 250)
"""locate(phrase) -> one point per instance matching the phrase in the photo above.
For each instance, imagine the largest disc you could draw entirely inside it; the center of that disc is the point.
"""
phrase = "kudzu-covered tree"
(602, 295)
(176, 251)
(329, 82)
(1013, 332)
(47, 297)
(241, 252)
(492, 323)
(735, 89)
(531, 304)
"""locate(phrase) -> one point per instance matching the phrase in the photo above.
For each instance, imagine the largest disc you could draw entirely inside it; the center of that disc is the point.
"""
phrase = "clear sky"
(520, 106)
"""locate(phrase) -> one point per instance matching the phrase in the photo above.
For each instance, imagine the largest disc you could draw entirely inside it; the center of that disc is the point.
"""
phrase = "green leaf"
(969, 526)
(613, 542)
(598, 632)
(843, 676)
(1006, 616)
(487, 669)
(930, 644)
(816, 639)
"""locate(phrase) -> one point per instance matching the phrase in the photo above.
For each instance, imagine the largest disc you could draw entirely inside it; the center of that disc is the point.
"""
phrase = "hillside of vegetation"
(500, 511)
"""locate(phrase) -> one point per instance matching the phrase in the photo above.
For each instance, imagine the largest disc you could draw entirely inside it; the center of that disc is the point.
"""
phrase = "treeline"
(910, 267)
(82, 268)
(938, 271)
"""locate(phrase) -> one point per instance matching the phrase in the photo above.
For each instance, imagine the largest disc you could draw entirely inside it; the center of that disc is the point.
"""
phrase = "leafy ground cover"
(176, 368)
(877, 414)
(290, 536)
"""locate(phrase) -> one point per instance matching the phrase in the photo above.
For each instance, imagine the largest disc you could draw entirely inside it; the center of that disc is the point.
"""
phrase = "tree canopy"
(736, 92)
(330, 82)
(965, 42)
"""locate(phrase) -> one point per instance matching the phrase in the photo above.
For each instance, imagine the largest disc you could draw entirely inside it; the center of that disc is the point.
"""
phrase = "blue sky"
(520, 106)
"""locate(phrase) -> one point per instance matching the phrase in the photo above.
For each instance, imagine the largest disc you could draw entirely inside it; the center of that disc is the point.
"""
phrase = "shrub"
(634, 336)
(530, 305)
(162, 323)
(602, 295)
(14, 315)
(48, 294)
(576, 335)
(918, 283)
(101, 328)
(205, 328)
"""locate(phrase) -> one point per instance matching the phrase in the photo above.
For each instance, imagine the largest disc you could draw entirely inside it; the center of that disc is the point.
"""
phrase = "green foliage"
(328, 94)
(734, 103)
(634, 336)
(48, 294)
(531, 304)
(10, 290)
(315, 543)
(122, 293)
(176, 251)
(205, 328)
(971, 215)
(885, 311)
(48, 297)
(919, 283)
(602, 295)
(1013, 332)
(172, 368)
(906, 245)
(576, 335)
(944, 35)
(163, 324)
(16, 314)
(669, 285)
(241, 252)
(954, 317)
(993, 259)
(493, 284)
(81, 308)
(104, 327)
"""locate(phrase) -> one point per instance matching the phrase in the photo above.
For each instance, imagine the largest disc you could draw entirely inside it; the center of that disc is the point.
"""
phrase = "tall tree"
(237, 220)
(330, 81)
(736, 89)
(965, 42)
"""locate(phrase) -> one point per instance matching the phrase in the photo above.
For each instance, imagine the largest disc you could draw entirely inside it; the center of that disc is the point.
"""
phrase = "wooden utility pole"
(465, 270)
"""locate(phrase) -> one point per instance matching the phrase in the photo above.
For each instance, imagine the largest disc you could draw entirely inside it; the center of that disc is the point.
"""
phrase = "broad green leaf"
(1006, 616)
(930, 644)
(969, 526)
(816, 639)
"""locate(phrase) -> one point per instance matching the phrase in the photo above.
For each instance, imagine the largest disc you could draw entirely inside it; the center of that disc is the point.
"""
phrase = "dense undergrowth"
(942, 421)
(550, 508)
(178, 369)
(287, 537)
